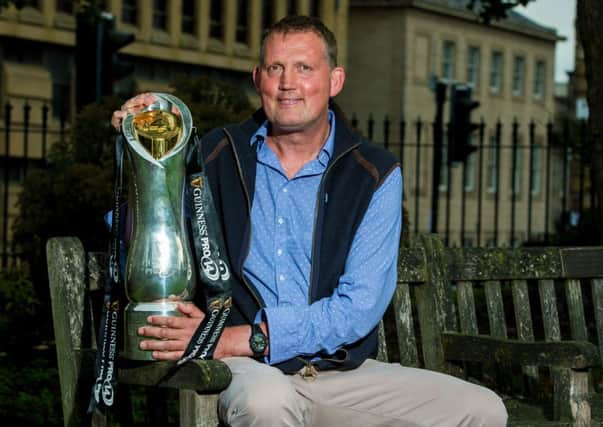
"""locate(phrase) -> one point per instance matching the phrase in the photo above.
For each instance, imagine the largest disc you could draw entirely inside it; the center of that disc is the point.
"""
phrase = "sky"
(558, 14)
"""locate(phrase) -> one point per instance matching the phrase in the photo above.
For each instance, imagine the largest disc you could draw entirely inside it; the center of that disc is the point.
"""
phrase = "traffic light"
(461, 127)
(97, 64)
(113, 68)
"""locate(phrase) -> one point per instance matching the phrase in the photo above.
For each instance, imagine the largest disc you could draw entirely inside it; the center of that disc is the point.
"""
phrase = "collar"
(258, 139)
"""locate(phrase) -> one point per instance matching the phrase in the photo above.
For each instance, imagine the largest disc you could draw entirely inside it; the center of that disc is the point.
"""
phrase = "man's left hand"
(173, 333)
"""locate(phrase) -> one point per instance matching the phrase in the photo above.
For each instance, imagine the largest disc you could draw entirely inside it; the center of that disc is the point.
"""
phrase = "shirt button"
(279, 252)
(281, 277)
(285, 190)
(280, 220)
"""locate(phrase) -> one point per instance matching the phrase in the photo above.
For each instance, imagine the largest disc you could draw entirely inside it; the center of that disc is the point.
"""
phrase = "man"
(312, 218)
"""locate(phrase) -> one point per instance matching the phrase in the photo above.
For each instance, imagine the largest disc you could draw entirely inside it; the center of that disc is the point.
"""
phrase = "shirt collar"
(259, 137)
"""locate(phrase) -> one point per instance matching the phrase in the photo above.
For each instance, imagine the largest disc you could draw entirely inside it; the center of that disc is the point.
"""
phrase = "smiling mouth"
(289, 101)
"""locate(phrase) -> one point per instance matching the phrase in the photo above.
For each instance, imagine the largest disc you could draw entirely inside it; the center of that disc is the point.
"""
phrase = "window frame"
(518, 81)
(473, 67)
(497, 62)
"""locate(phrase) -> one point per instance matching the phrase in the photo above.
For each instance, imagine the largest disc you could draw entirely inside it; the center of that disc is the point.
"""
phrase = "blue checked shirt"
(278, 265)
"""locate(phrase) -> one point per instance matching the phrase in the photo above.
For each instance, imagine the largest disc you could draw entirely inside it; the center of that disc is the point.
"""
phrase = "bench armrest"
(207, 376)
(481, 348)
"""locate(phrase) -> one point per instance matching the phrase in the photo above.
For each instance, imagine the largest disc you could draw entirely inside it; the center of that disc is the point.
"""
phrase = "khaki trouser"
(374, 394)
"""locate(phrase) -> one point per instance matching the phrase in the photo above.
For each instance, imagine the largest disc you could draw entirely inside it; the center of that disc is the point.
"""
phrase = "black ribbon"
(103, 391)
(213, 268)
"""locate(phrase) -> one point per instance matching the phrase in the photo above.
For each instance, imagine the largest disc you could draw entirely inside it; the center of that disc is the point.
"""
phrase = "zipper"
(318, 201)
(257, 298)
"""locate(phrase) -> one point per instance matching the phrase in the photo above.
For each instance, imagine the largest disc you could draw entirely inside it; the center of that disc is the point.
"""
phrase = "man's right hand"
(131, 106)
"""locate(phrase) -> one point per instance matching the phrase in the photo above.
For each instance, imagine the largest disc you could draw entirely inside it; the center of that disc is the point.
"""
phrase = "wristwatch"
(258, 341)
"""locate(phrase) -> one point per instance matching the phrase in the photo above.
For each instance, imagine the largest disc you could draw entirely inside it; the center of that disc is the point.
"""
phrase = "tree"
(493, 9)
(589, 22)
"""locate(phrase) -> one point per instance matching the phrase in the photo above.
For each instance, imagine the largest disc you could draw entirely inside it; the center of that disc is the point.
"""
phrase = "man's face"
(295, 81)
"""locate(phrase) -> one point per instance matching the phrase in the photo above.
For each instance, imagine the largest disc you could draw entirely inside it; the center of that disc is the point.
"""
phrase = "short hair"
(302, 24)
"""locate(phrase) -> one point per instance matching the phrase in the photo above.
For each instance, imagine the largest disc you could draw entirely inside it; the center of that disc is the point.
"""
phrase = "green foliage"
(18, 307)
(28, 392)
(69, 195)
(212, 103)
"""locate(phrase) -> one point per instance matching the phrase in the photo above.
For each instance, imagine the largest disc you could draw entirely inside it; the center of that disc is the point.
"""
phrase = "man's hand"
(173, 333)
(132, 106)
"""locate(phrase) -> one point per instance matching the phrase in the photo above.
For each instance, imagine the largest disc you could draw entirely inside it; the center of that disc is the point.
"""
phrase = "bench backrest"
(528, 294)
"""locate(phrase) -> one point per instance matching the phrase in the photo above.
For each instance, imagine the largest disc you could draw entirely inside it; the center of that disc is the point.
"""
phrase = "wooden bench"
(525, 322)
(479, 313)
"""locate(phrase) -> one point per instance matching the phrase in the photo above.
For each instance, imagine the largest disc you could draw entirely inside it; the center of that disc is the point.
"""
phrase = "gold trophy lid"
(159, 131)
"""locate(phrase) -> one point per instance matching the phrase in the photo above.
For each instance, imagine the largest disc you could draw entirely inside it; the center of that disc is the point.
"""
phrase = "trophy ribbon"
(103, 391)
(213, 269)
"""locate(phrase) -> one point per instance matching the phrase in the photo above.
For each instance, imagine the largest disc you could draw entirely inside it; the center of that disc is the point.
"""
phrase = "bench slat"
(66, 275)
(496, 312)
(548, 305)
(525, 329)
(575, 307)
(382, 349)
(466, 304)
(597, 292)
(405, 330)
(504, 264)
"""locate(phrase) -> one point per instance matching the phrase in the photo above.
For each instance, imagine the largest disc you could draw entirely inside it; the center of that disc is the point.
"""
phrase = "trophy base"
(135, 316)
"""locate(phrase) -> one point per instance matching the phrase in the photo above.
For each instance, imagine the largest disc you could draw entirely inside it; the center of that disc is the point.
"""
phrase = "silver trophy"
(159, 267)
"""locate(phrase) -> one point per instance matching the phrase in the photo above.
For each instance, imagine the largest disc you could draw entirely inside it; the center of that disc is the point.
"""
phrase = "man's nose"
(287, 80)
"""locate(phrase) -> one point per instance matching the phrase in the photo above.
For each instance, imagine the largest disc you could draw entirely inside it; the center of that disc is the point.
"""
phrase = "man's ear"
(256, 78)
(337, 81)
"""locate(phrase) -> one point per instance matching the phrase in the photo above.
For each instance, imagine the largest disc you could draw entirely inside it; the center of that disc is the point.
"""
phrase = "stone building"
(219, 38)
(396, 49)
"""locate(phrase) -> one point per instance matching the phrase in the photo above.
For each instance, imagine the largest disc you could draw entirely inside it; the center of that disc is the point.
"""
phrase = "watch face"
(257, 342)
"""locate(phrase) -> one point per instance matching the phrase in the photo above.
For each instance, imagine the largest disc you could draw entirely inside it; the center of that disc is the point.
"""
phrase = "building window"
(24, 52)
(267, 13)
(496, 71)
(291, 9)
(467, 242)
(473, 66)
(516, 174)
(31, 3)
(539, 75)
(216, 24)
(242, 23)
(129, 13)
(536, 170)
(65, 6)
(492, 166)
(519, 66)
(448, 57)
(188, 17)
(160, 14)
